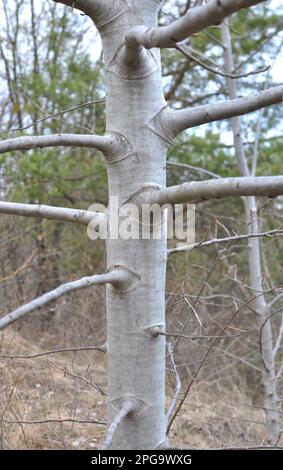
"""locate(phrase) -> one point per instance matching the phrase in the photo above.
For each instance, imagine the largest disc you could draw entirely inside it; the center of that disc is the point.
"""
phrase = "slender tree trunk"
(41, 268)
(136, 359)
(263, 311)
(255, 271)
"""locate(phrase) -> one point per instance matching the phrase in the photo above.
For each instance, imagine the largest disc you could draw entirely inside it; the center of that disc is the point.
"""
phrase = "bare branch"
(279, 338)
(259, 447)
(51, 421)
(27, 263)
(61, 214)
(223, 353)
(128, 407)
(233, 76)
(209, 349)
(205, 337)
(3, 414)
(105, 143)
(102, 348)
(279, 372)
(117, 276)
(197, 169)
(178, 384)
(54, 115)
(275, 300)
(214, 241)
(79, 377)
(198, 191)
(194, 21)
(192, 117)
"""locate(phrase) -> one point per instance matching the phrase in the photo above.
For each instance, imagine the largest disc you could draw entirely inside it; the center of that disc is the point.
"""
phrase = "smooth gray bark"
(136, 359)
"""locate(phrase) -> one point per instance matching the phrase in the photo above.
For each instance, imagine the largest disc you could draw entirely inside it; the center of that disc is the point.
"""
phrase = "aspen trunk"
(255, 271)
(260, 305)
(136, 359)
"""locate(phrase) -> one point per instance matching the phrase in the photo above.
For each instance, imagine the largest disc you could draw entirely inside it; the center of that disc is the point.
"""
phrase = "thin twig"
(79, 377)
(176, 335)
(195, 313)
(2, 420)
(197, 169)
(101, 348)
(178, 384)
(50, 116)
(270, 234)
(237, 311)
(219, 72)
(259, 447)
(51, 420)
(23, 267)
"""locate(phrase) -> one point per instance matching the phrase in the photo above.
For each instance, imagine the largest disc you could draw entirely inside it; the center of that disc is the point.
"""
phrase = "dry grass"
(63, 386)
(224, 407)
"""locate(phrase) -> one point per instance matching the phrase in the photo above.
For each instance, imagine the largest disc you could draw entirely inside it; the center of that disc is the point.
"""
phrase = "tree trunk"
(136, 358)
(266, 339)
(255, 271)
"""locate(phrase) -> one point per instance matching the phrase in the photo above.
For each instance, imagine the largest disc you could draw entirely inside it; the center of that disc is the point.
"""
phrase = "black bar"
(137, 459)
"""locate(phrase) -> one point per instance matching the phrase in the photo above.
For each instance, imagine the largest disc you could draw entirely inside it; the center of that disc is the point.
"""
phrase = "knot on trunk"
(119, 148)
(132, 63)
(127, 279)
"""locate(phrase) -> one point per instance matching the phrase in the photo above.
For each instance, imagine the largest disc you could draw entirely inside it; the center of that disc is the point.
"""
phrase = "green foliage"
(206, 152)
